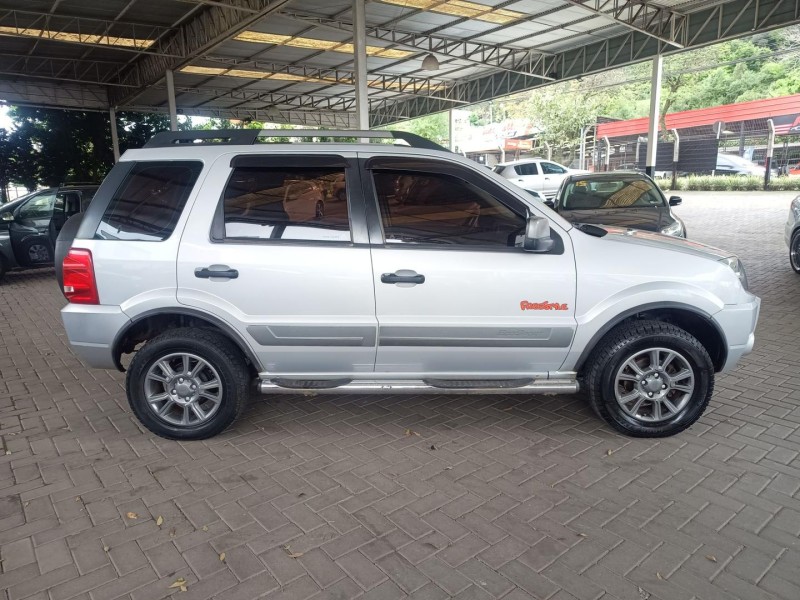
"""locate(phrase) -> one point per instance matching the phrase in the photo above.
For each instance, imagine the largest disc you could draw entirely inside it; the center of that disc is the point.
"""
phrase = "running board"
(417, 386)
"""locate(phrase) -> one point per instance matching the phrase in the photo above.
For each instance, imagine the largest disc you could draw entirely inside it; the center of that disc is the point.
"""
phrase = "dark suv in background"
(30, 225)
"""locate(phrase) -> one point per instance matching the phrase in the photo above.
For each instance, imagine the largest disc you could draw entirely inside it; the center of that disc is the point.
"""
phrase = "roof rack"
(248, 137)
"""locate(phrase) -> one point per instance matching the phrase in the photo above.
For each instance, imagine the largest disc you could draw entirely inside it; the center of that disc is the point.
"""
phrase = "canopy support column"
(360, 52)
(173, 111)
(112, 113)
(655, 109)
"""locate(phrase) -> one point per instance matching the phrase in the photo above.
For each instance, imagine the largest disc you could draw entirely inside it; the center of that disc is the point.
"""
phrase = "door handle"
(216, 271)
(403, 277)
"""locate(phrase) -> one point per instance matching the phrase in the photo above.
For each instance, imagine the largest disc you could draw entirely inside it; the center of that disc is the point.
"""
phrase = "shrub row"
(730, 183)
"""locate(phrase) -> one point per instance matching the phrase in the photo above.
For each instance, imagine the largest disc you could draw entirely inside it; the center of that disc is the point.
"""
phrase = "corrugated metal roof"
(302, 47)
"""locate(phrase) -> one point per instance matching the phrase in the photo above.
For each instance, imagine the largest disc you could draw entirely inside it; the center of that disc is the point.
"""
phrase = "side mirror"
(537, 235)
(675, 200)
(550, 204)
(7, 216)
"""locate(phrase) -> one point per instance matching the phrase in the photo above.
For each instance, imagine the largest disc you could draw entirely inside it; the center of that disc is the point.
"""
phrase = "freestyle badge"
(525, 305)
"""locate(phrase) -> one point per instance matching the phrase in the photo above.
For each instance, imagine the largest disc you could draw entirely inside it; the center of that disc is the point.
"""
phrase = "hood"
(649, 219)
(663, 242)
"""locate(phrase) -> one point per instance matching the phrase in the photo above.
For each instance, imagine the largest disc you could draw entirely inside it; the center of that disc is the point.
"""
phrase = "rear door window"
(287, 203)
(150, 201)
(527, 169)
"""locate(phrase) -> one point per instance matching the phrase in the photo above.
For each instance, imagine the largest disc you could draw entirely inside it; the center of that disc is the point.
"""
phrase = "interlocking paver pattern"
(326, 497)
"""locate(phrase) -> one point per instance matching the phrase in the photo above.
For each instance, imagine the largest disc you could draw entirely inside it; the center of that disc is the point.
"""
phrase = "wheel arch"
(689, 318)
(151, 323)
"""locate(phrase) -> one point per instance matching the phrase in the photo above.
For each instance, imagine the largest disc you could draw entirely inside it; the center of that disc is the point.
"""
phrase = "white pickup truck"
(374, 268)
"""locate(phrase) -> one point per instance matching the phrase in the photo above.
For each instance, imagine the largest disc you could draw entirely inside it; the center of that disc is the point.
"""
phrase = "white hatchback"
(536, 175)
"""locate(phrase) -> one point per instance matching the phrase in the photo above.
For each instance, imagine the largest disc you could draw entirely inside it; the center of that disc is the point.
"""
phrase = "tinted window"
(287, 203)
(428, 208)
(150, 201)
(527, 169)
(587, 194)
(549, 168)
(39, 207)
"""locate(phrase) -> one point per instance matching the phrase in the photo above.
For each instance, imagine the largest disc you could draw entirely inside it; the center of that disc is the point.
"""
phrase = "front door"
(279, 251)
(30, 230)
(456, 295)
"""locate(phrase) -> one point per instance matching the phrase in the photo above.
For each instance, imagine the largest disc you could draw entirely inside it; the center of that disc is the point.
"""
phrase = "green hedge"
(730, 183)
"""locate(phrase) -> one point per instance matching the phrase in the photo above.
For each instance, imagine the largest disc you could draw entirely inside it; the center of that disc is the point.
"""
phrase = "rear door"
(529, 176)
(552, 176)
(279, 251)
(456, 295)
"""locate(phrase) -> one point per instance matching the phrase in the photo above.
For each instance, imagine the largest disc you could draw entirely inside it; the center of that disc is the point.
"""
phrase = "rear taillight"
(79, 283)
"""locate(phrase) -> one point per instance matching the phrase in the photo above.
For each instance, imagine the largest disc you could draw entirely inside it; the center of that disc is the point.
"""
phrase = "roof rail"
(247, 137)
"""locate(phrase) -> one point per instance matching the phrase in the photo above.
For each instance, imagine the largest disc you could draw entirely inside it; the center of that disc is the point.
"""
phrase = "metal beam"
(507, 58)
(54, 94)
(643, 16)
(98, 72)
(252, 97)
(334, 76)
(704, 27)
(312, 118)
(81, 30)
(196, 37)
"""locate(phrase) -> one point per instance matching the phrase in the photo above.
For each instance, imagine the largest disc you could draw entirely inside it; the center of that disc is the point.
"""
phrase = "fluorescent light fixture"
(257, 37)
(462, 8)
(81, 38)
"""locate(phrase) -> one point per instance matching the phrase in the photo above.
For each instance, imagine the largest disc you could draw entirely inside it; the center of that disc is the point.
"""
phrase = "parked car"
(730, 164)
(535, 174)
(625, 199)
(442, 277)
(29, 225)
(657, 174)
(792, 234)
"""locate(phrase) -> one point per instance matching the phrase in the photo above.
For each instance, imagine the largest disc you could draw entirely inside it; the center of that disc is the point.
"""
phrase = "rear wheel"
(188, 384)
(650, 379)
(794, 252)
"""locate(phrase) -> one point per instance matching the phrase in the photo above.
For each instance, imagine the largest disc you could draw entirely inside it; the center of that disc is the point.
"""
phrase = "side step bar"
(417, 386)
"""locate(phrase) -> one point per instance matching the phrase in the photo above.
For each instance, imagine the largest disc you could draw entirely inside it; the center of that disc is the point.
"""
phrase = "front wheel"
(188, 384)
(650, 379)
(794, 252)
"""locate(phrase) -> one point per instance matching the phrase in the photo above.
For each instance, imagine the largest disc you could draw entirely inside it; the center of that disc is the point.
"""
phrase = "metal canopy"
(292, 60)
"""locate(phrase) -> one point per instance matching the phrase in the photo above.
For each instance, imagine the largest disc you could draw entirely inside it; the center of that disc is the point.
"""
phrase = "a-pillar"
(360, 57)
(655, 109)
(173, 112)
(114, 137)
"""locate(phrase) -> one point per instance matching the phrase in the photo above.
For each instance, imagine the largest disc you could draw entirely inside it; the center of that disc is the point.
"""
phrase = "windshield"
(610, 192)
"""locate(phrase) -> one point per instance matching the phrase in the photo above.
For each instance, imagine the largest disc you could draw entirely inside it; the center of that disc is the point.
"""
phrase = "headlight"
(737, 267)
(675, 229)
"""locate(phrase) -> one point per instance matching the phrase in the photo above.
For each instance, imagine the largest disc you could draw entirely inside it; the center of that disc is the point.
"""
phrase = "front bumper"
(92, 330)
(738, 321)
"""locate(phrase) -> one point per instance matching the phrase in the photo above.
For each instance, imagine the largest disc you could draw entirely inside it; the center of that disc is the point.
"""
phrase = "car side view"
(535, 174)
(792, 234)
(30, 225)
(622, 199)
(200, 267)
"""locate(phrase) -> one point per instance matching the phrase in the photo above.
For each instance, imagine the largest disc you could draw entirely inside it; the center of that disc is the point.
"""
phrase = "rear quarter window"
(148, 204)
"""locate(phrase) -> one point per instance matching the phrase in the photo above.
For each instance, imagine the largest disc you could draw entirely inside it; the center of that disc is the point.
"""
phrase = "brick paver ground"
(496, 497)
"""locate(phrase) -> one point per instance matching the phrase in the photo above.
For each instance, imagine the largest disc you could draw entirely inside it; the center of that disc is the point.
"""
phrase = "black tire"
(37, 252)
(632, 340)
(794, 251)
(226, 362)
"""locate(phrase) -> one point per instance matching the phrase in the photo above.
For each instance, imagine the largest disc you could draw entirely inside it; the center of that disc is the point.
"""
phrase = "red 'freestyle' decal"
(525, 305)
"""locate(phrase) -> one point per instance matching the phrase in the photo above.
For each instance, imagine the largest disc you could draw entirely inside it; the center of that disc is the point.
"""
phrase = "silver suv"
(218, 260)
